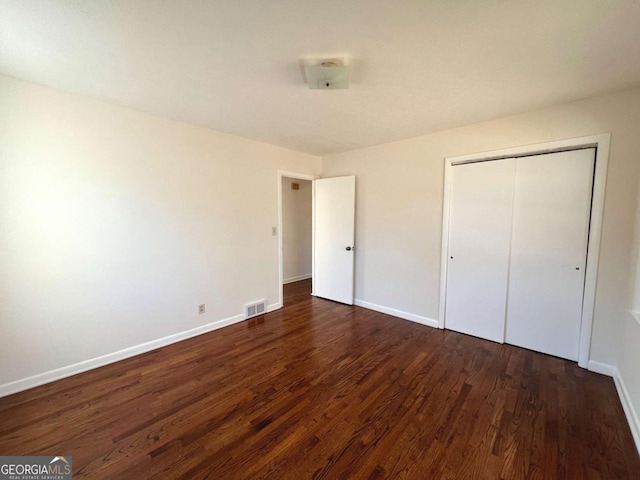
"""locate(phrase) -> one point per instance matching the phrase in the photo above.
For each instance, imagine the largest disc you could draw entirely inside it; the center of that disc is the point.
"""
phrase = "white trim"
(593, 254)
(625, 399)
(601, 142)
(274, 306)
(444, 253)
(296, 279)
(635, 315)
(300, 176)
(396, 313)
(629, 410)
(63, 372)
(534, 149)
(601, 368)
(313, 237)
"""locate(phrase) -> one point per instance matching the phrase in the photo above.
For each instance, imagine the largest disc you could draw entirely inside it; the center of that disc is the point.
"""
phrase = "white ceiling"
(233, 66)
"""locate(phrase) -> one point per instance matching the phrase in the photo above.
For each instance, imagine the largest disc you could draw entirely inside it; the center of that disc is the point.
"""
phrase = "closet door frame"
(601, 143)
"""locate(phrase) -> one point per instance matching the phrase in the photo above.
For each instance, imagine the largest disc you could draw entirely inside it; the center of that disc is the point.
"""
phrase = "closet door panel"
(479, 235)
(552, 203)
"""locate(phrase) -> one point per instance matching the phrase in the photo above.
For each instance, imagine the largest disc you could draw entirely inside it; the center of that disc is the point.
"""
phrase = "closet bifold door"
(479, 237)
(552, 207)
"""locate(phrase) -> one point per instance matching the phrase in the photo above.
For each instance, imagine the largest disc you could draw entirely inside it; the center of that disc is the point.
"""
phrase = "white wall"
(399, 206)
(115, 225)
(296, 229)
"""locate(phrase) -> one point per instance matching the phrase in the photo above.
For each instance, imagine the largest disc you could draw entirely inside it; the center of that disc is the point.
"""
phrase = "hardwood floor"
(323, 390)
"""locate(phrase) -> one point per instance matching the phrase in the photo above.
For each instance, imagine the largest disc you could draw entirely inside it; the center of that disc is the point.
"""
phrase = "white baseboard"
(602, 368)
(296, 279)
(63, 372)
(625, 400)
(274, 306)
(627, 406)
(397, 313)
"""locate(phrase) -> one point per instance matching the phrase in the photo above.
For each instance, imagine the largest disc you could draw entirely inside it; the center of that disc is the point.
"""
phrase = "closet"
(517, 249)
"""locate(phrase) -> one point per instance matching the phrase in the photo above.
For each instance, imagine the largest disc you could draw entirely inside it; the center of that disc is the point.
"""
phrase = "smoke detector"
(327, 75)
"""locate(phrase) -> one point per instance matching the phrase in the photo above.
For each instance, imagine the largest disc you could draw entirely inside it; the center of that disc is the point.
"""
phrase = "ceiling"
(234, 66)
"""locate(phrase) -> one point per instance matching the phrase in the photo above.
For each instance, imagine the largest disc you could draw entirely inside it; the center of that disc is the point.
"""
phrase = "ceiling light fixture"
(327, 75)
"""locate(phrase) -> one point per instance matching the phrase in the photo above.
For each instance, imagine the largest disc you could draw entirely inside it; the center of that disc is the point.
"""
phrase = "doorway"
(526, 204)
(330, 222)
(518, 237)
(295, 229)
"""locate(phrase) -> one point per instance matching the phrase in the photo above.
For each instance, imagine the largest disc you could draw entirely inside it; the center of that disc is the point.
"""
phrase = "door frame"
(298, 176)
(601, 143)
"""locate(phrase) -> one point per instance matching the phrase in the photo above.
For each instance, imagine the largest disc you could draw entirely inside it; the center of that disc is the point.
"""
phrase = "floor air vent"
(254, 309)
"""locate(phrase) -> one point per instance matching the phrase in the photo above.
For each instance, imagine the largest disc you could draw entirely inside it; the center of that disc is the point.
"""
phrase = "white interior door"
(479, 235)
(552, 207)
(334, 231)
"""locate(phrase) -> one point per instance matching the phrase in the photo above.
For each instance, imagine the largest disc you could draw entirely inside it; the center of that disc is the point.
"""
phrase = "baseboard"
(629, 410)
(63, 372)
(602, 368)
(296, 279)
(397, 313)
(625, 400)
(274, 306)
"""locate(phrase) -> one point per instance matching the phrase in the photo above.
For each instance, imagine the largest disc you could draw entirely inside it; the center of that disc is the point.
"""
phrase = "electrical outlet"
(201, 309)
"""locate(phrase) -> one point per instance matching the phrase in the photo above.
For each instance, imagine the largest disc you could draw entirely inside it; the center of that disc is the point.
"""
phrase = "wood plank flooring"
(320, 390)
